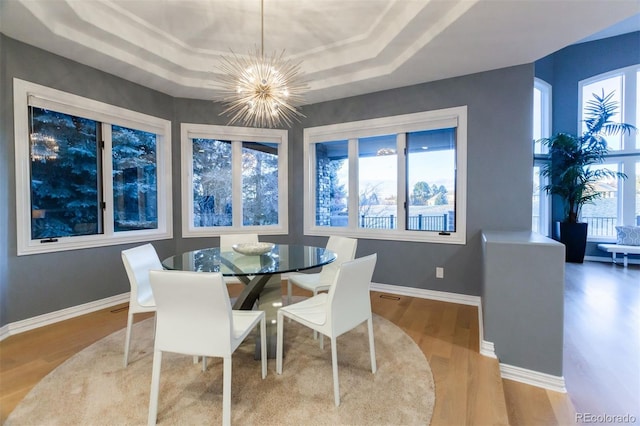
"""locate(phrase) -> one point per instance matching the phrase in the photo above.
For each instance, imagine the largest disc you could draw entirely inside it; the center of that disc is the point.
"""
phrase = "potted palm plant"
(570, 172)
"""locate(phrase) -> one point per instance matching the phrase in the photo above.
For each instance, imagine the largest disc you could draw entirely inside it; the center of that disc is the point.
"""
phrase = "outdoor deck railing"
(416, 223)
(598, 226)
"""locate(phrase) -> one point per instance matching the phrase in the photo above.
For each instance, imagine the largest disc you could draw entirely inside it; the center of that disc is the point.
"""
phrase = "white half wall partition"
(523, 305)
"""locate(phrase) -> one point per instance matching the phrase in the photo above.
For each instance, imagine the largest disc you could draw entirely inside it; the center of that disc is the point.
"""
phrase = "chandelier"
(261, 91)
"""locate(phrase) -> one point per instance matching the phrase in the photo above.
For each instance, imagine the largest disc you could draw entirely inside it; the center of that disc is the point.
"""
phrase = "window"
(88, 174)
(619, 203)
(396, 178)
(234, 179)
(541, 129)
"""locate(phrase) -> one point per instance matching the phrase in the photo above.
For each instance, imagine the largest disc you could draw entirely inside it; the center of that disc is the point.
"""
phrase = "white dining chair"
(194, 317)
(138, 261)
(345, 249)
(345, 306)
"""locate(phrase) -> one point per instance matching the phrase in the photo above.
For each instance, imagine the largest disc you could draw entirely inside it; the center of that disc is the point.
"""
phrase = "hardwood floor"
(602, 338)
(601, 353)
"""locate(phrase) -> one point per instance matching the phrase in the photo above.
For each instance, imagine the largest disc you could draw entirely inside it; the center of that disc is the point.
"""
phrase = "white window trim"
(546, 92)
(88, 108)
(400, 124)
(627, 109)
(625, 158)
(236, 135)
(544, 208)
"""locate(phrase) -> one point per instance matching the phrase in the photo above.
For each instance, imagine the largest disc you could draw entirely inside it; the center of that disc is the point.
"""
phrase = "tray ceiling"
(346, 47)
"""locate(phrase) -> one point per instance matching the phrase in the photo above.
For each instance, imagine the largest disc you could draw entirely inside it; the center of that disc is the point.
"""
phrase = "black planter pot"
(574, 238)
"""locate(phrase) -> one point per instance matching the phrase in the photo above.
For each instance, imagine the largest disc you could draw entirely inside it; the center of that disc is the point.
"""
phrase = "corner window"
(234, 180)
(87, 174)
(396, 178)
(618, 203)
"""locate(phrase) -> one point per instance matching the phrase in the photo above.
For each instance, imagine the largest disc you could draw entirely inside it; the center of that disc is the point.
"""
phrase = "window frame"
(398, 125)
(107, 115)
(540, 159)
(237, 135)
(625, 158)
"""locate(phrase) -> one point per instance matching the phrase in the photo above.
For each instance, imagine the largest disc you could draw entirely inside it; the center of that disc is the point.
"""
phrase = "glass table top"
(281, 259)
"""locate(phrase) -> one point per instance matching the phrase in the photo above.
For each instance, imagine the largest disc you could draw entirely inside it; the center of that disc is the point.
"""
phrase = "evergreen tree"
(421, 193)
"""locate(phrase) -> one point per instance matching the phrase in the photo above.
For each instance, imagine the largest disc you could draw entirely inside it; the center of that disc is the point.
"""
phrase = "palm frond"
(569, 171)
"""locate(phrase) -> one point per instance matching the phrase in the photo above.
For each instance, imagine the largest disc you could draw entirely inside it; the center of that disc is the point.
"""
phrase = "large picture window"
(619, 203)
(399, 178)
(234, 180)
(88, 174)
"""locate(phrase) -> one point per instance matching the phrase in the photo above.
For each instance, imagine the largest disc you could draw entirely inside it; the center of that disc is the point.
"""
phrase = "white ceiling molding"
(347, 47)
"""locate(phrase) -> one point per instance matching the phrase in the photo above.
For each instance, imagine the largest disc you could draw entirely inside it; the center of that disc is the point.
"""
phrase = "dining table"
(261, 274)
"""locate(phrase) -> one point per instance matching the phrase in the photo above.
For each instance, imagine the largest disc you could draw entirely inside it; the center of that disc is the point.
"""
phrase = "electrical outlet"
(439, 272)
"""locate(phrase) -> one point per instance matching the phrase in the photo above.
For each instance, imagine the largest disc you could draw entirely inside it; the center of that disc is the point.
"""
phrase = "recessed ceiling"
(346, 47)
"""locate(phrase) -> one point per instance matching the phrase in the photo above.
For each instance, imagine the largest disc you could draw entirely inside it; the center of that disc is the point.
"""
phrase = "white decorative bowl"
(253, 249)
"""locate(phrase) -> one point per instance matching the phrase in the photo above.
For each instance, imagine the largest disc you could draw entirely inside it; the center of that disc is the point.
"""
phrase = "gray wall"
(499, 179)
(565, 69)
(38, 284)
(498, 176)
(5, 177)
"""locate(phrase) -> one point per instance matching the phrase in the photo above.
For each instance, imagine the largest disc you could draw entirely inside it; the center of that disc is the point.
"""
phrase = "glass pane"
(613, 84)
(259, 183)
(332, 183)
(378, 182)
(135, 183)
(637, 124)
(431, 171)
(65, 190)
(536, 226)
(212, 192)
(537, 120)
(602, 214)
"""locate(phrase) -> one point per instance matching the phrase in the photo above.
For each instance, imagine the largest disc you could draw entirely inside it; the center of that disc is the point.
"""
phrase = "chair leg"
(315, 333)
(279, 339)
(155, 388)
(334, 364)
(289, 291)
(263, 345)
(372, 347)
(226, 392)
(127, 339)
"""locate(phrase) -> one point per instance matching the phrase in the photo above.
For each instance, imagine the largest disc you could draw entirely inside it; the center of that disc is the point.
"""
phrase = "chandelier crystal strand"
(260, 91)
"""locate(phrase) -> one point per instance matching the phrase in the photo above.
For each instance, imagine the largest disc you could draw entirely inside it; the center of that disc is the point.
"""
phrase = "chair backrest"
(345, 248)
(193, 313)
(349, 301)
(228, 240)
(138, 261)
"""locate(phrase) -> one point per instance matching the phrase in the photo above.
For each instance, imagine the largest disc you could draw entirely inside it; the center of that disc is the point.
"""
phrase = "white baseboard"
(533, 378)
(61, 315)
(487, 349)
(529, 377)
(510, 372)
(442, 296)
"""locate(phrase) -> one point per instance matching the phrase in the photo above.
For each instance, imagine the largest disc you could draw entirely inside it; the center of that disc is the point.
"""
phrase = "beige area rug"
(92, 387)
